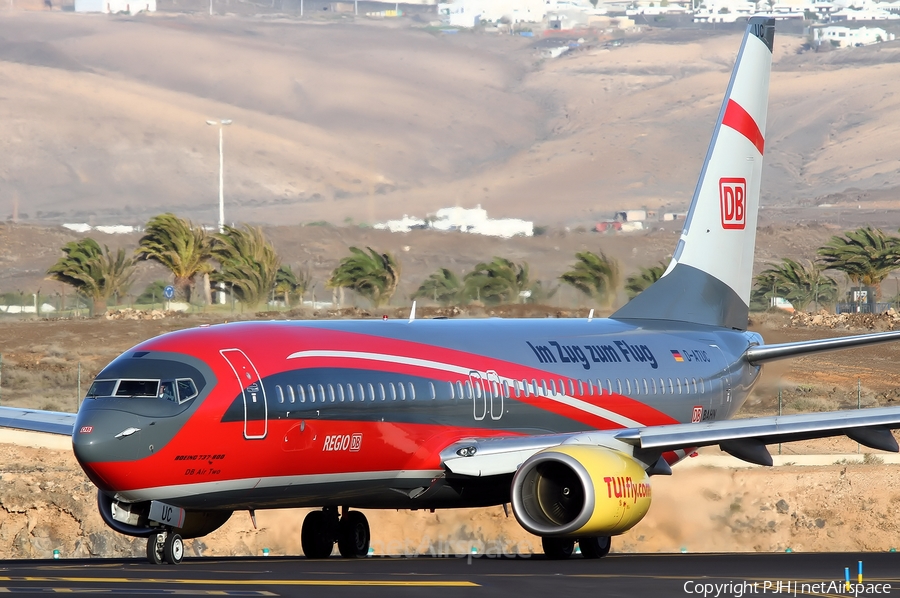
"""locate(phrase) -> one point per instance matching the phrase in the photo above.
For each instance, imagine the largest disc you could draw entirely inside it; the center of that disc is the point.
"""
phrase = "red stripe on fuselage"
(740, 120)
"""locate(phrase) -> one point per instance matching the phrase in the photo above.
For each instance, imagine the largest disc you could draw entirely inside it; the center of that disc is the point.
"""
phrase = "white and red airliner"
(564, 419)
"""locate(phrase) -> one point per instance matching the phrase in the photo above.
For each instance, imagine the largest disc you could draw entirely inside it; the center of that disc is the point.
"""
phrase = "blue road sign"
(169, 292)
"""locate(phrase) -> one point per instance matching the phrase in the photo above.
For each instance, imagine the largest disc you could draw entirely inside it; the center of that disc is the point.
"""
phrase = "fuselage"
(287, 414)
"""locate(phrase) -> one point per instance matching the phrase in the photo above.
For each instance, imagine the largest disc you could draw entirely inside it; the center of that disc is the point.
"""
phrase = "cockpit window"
(167, 390)
(177, 391)
(102, 388)
(138, 388)
(186, 389)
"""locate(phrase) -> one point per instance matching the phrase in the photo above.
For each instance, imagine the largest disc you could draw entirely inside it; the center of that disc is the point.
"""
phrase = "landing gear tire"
(173, 549)
(315, 539)
(155, 547)
(594, 548)
(558, 549)
(353, 535)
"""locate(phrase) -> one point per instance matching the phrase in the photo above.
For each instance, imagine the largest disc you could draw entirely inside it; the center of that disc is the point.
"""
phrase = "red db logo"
(697, 415)
(733, 202)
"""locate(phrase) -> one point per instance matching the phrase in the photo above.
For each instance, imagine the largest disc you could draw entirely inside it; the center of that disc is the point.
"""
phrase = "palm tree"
(499, 281)
(801, 284)
(179, 246)
(595, 275)
(287, 283)
(373, 275)
(442, 286)
(865, 255)
(96, 273)
(638, 283)
(247, 262)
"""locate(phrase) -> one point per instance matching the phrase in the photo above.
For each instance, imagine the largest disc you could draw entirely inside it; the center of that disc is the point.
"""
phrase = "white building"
(131, 7)
(464, 220)
(404, 225)
(845, 37)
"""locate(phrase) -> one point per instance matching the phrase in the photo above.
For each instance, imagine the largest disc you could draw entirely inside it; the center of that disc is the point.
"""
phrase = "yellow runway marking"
(250, 582)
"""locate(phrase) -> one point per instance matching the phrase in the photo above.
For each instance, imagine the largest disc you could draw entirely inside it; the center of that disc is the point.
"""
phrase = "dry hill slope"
(103, 118)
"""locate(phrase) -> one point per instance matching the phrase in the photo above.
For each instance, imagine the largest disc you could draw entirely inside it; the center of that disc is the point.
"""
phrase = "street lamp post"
(222, 124)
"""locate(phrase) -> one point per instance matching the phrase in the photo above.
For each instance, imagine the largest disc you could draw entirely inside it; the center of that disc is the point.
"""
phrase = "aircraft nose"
(103, 435)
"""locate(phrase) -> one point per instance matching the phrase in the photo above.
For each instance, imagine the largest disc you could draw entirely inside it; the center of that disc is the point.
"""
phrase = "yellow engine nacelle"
(577, 490)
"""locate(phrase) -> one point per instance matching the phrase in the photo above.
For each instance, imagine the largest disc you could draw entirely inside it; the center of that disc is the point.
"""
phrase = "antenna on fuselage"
(412, 312)
(591, 315)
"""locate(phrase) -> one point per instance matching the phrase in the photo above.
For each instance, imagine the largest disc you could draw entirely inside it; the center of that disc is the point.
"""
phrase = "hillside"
(103, 120)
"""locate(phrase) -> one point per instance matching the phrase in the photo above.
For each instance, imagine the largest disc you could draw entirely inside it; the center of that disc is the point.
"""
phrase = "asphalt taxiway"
(688, 575)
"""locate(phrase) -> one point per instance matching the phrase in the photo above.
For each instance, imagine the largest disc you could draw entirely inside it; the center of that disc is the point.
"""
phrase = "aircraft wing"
(745, 439)
(36, 420)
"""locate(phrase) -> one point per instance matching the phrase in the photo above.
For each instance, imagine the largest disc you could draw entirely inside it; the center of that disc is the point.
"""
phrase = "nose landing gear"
(321, 529)
(165, 547)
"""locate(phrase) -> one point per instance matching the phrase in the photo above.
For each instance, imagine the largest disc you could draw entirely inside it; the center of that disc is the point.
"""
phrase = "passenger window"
(371, 392)
(619, 385)
(401, 392)
(662, 386)
(590, 386)
(361, 391)
(544, 388)
(469, 393)
(646, 387)
(506, 392)
(279, 393)
(687, 389)
(562, 387)
(702, 386)
(340, 393)
(678, 383)
(381, 392)
(459, 390)
(330, 393)
(495, 388)
(350, 392)
(290, 393)
(609, 386)
(536, 388)
(580, 389)
(572, 387)
(312, 393)
(452, 392)
(671, 387)
(300, 393)
(653, 382)
(627, 386)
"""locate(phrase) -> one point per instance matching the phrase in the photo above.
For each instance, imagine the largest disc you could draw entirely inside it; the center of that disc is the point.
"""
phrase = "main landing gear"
(165, 547)
(321, 529)
(562, 548)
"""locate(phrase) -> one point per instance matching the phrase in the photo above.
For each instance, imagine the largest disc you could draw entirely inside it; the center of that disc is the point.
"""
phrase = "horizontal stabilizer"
(763, 353)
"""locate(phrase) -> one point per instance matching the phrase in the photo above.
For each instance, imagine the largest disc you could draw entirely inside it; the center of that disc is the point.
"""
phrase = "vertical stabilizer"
(708, 280)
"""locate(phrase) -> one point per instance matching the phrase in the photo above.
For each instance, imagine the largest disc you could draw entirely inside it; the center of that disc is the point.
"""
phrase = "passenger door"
(256, 410)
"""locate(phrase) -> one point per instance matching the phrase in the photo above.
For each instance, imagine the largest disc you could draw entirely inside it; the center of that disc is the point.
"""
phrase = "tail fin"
(708, 280)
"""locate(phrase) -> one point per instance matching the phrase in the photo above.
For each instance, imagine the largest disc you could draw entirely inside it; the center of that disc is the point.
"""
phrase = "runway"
(627, 575)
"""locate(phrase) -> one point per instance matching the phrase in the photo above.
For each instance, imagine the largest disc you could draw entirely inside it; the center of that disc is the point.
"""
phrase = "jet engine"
(578, 490)
(132, 519)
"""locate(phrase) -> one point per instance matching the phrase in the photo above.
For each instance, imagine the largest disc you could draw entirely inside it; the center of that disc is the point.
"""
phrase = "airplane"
(565, 419)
